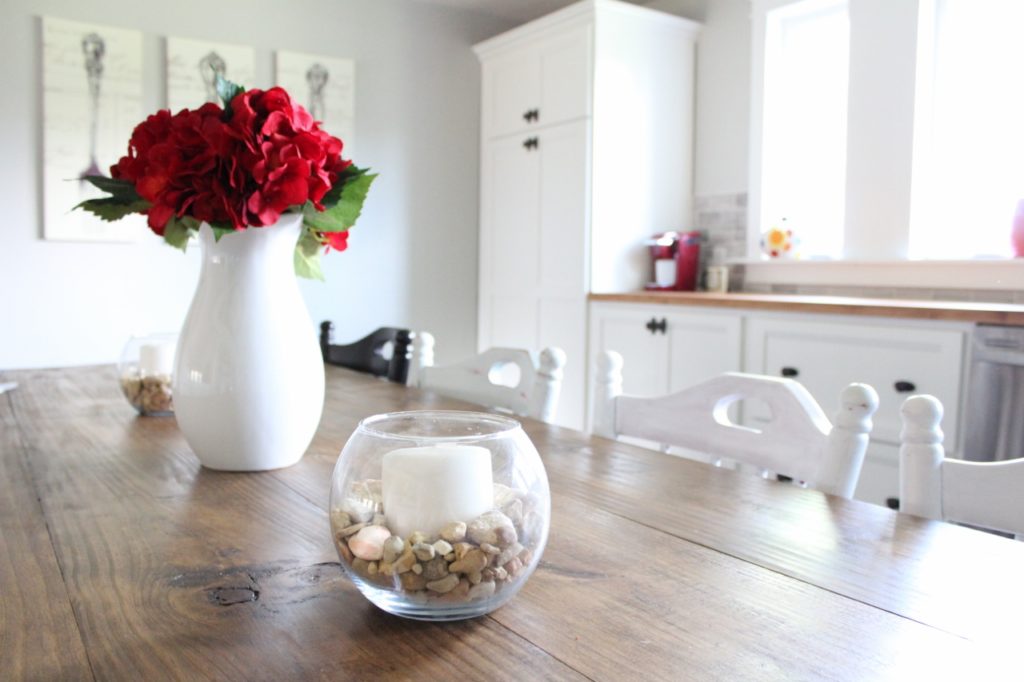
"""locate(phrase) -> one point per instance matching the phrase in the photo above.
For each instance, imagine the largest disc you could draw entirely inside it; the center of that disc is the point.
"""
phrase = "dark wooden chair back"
(365, 355)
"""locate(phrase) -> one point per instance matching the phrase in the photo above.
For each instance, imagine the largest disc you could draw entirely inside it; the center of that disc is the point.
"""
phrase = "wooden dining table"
(121, 558)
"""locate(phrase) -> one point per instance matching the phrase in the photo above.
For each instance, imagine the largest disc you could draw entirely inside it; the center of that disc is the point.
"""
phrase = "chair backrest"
(799, 441)
(536, 395)
(987, 494)
(366, 354)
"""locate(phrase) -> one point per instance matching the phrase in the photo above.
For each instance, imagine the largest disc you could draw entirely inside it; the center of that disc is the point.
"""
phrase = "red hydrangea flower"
(244, 170)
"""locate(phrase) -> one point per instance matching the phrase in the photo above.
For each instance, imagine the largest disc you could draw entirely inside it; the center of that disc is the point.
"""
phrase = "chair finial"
(922, 415)
(857, 403)
(552, 361)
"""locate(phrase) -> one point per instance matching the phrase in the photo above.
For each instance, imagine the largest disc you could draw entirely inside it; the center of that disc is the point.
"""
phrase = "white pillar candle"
(156, 358)
(427, 487)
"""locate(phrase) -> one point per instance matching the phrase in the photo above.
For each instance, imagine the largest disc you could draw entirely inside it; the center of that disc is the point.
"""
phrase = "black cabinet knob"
(531, 115)
(655, 325)
(893, 503)
(530, 143)
(904, 386)
(790, 372)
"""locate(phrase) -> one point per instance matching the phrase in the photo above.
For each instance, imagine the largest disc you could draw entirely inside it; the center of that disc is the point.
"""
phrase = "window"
(803, 136)
(969, 137)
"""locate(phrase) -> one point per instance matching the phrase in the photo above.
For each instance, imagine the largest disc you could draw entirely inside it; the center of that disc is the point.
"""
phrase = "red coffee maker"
(675, 259)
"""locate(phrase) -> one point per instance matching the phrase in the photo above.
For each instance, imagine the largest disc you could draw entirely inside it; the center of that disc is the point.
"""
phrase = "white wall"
(722, 117)
(412, 257)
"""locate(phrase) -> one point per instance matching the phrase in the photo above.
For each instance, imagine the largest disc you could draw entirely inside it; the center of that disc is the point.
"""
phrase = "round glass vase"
(145, 370)
(439, 515)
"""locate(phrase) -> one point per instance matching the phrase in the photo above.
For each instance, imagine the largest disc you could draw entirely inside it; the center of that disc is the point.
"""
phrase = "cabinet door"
(702, 346)
(563, 324)
(564, 188)
(549, 78)
(896, 361)
(509, 243)
(644, 352)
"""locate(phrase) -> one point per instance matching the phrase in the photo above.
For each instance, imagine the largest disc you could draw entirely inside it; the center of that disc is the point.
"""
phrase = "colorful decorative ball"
(779, 241)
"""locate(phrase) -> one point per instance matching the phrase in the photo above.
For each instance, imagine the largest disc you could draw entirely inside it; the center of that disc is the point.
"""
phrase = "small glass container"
(145, 371)
(439, 515)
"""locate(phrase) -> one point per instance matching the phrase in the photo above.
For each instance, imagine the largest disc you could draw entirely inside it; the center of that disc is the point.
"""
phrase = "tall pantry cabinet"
(586, 151)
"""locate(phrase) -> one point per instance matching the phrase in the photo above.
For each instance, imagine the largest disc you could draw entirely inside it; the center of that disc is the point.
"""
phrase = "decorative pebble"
(503, 495)
(450, 556)
(417, 537)
(351, 530)
(500, 573)
(508, 554)
(490, 549)
(445, 584)
(340, 519)
(423, 551)
(454, 532)
(360, 565)
(485, 528)
(405, 562)
(473, 562)
(514, 511)
(412, 582)
(460, 550)
(417, 569)
(475, 578)
(393, 548)
(372, 568)
(368, 543)
(435, 569)
(506, 535)
(481, 590)
(442, 547)
(513, 567)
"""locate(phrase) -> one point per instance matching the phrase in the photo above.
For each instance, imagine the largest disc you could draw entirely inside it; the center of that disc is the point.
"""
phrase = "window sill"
(1001, 274)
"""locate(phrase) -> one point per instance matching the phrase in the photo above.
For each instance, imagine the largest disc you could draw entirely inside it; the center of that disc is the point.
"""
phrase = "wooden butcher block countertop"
(956, 311)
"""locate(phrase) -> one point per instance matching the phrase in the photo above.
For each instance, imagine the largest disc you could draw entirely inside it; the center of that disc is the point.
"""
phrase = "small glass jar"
(439, 515)
(145, 371)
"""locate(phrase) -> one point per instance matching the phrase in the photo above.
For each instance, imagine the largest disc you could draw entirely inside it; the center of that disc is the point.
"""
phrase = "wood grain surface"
(954, 311)
(122, 558)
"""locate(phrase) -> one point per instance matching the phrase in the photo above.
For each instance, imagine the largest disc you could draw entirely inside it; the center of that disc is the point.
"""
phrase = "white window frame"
(883, 82)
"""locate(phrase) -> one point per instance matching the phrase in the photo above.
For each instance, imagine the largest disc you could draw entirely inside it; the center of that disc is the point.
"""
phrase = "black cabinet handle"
(904, 387)
(893, 503)
(790, 372)
(531, 143)
(655, 325)
(531, 115)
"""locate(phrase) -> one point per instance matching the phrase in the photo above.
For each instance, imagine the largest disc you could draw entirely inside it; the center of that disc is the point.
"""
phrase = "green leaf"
(111, 209)
(307, 256)
(343, 214)
(118, 189)
(220, 232)
(334, 194)
(176, 233)
(227, 91)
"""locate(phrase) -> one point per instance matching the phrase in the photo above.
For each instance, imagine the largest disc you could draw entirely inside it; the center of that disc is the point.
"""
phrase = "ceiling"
(518, 11)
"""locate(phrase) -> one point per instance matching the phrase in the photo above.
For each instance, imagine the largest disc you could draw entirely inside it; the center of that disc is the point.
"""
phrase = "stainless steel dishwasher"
(994, 411)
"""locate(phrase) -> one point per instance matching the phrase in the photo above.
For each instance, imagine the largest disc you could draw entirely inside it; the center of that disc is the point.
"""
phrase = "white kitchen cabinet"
(544, 82)
(666, 348)
(586, 144)
(897, 358)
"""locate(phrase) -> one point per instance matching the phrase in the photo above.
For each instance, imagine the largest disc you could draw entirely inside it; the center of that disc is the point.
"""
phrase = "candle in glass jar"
(426, 487)
(156, 358)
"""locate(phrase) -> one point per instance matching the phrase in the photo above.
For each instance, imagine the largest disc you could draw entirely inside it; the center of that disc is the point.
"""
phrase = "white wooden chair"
(536, 394)
(986, 494)
(799, 441)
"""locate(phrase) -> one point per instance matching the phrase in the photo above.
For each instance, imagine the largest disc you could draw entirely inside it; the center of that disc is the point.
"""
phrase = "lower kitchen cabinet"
(667, 348)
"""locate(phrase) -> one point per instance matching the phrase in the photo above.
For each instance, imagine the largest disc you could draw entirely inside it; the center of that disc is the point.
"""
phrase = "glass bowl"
(439, 515)
(145, 370)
